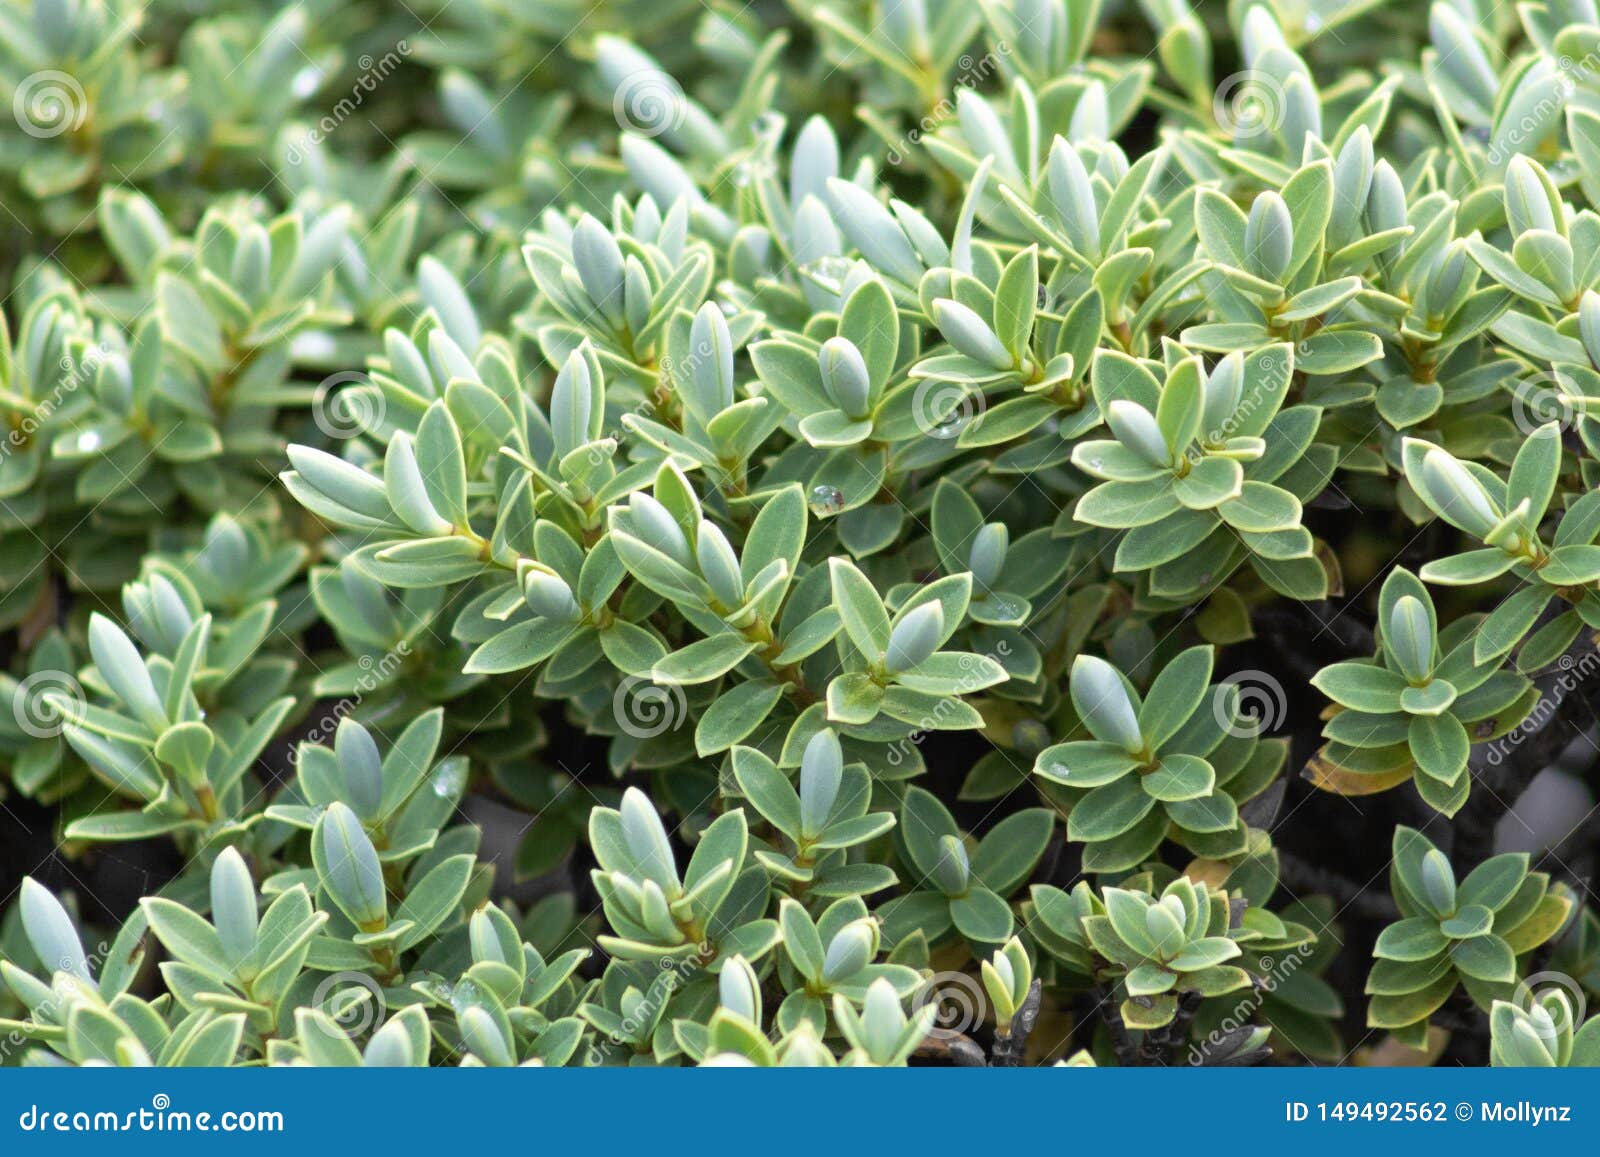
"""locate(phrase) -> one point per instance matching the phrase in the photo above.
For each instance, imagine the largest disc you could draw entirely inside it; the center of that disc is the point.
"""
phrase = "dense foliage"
(859, 532)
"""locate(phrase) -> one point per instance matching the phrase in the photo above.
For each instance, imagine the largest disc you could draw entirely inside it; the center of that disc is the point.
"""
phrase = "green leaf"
(50, 932)
(1476, 566)
(734, 715)
(187, 937)
(1261, 508)
(768, 789)
(860, 609)
(1179, 777)
(1109, 811)
(431, 901)
(1361, 686)
(1414, 939)
(348, 868)
(1016, 300)
(703, 660)
(800, 939)
(1505, 626)
(1102, 701)
(1007, 855)
(1175, 695)
(924, 821)
(1486, 958)
(1210, 483)
(1085, 763)
(981, 916)
(518, 646)
(1440, 745)
(871, 323)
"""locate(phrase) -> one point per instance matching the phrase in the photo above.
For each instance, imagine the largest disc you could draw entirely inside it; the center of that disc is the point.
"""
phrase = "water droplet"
(830, 269)
(450, 779)
(306, 82)
(89, 441)
(826, 501)
(315, 345)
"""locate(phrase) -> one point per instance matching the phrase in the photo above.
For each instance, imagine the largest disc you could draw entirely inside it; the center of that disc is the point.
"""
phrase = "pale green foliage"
(822, 464)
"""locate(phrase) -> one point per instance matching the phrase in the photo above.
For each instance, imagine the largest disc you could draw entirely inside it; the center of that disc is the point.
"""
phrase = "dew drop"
(306, 82)
(826, 501)
(450, 779)
(830, 269)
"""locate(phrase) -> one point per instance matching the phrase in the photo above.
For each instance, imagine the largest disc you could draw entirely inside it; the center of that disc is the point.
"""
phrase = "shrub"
(856, 533)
